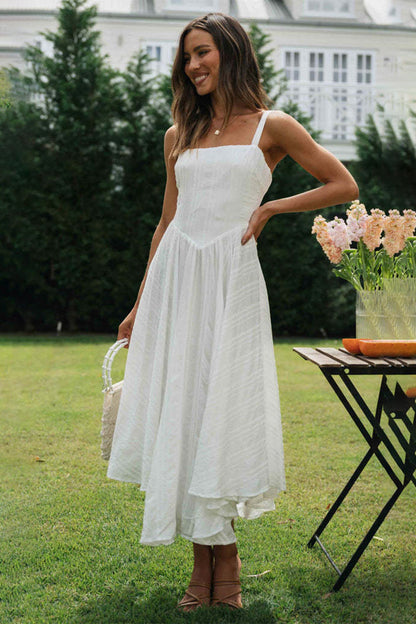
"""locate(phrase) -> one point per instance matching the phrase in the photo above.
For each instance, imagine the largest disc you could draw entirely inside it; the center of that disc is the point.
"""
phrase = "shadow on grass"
(383, 593)
(301, 596)
(130, 605)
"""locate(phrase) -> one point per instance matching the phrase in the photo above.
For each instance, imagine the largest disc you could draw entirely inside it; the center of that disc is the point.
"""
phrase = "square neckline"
(264, 113)
(190, 149)
(252, 144)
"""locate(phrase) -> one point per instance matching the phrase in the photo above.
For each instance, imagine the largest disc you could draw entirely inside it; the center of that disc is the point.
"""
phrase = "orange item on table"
(351, 345)
(388, 348)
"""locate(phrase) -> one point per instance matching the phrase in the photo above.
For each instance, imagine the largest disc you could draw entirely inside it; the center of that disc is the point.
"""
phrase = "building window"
(340, 67)
(329, 8)
(316, 67)
(334, 87)
(192, 5)
(328, 66)
(292, 65)
(364, 68)
(162, 55)
(155, 52)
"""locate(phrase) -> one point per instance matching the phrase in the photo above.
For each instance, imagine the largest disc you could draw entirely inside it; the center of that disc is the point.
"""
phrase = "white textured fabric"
(199, 420)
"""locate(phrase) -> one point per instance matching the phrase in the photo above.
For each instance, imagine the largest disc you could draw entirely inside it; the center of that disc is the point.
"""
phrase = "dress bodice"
(219, 187)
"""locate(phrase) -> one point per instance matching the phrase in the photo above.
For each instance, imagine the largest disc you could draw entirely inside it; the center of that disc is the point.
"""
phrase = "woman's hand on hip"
(257, 222)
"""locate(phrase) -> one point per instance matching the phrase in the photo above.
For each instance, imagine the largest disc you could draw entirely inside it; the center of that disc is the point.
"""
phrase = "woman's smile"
(199, 79)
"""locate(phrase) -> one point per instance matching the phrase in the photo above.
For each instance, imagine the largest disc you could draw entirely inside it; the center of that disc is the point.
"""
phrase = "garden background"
(82, 178)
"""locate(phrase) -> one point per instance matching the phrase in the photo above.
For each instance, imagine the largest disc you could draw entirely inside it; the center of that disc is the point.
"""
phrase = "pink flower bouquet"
(368, 248)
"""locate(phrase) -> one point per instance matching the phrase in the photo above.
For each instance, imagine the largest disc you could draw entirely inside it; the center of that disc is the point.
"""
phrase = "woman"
(199, 419)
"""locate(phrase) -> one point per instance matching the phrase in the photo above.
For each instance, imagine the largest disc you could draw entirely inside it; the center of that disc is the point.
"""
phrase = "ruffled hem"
(212, 523)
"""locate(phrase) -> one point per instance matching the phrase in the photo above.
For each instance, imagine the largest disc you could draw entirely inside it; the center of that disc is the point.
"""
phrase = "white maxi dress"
(199, 424)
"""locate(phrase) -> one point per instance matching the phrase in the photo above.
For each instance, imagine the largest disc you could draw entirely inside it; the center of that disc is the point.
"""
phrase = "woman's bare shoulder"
(279, 120)
(284, 130)
(170, 138)
(170, 134)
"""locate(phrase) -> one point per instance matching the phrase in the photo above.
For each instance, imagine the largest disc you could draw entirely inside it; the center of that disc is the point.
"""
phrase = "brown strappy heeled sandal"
(225, 600)
(192, 600)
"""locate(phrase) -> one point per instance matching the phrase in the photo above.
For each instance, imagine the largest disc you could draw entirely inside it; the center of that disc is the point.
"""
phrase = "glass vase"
(389, 313)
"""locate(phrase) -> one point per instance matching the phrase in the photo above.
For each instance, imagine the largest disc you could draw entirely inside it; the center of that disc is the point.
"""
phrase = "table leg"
(334, 507)
(374, 440)
(367, 539)
(378, 435)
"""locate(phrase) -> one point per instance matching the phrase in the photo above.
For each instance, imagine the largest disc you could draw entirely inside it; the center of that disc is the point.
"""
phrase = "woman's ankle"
(203, 561)
(227, 563)
(226, 552)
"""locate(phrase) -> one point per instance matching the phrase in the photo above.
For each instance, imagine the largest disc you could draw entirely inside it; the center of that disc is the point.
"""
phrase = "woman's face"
(202, 60)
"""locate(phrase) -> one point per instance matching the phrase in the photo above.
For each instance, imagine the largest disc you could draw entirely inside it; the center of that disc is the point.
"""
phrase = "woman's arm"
(289, 137)
(168, 212)
(338, 184)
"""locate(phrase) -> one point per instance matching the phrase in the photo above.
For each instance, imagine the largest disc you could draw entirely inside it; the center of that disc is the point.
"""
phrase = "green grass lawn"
(70, 550)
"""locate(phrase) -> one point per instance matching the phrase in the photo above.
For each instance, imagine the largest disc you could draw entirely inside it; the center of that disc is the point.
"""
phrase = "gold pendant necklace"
(228, 124)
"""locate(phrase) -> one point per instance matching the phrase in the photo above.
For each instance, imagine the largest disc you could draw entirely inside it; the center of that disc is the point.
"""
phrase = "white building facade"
(342, 58)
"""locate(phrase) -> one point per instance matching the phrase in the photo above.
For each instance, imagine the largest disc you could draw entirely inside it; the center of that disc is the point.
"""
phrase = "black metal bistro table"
(390, 430)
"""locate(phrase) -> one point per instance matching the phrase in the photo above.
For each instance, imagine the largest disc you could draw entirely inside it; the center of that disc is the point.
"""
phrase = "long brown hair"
(239, 79)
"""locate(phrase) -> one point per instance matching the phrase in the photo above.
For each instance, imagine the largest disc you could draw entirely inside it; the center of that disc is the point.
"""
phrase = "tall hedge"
(386, 164)
(82, 177)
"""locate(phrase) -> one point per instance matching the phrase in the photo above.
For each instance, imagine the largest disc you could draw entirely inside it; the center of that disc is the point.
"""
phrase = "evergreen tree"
(386, 165)
(78, 98)
(4, 90)
(82, 182)
(273, 80)
(24, 243)
(305, 298)
(144, 117)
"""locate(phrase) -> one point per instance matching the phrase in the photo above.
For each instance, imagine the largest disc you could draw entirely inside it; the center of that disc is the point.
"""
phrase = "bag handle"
(108, 362)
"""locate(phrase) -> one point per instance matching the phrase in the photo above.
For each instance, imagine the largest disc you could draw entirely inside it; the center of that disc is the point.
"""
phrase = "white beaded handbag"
(112, 394)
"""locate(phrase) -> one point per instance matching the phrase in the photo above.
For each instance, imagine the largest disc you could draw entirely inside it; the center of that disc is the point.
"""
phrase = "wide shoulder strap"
(260, 126)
